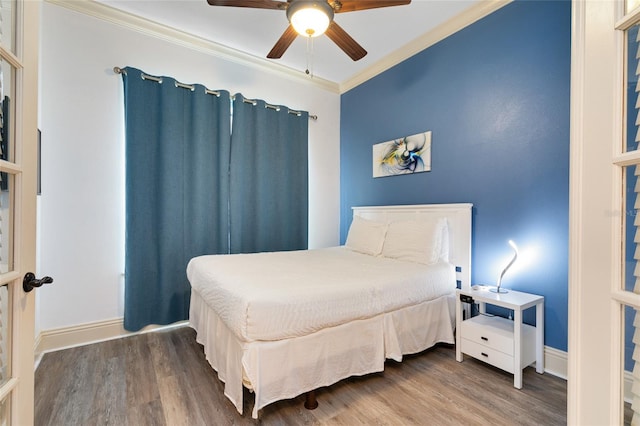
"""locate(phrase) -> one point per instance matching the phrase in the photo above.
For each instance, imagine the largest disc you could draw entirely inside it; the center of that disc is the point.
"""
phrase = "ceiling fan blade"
(345, 42)
(256, 4)
(283, 43)
(340, 6)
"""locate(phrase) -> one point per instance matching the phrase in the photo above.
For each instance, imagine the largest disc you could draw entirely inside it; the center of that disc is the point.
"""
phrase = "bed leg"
(310, 401)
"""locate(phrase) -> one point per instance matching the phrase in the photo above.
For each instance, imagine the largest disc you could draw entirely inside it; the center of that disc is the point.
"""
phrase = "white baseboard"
(84, 334)
(555, 362)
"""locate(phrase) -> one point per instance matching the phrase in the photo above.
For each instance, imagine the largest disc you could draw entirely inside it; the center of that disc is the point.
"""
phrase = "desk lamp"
(515, 256)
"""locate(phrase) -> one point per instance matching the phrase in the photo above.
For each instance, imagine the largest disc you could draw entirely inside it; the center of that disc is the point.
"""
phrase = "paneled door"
(19, 23)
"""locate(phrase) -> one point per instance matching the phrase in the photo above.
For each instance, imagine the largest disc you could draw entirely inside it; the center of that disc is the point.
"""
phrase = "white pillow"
(366, 236)
(417, 241)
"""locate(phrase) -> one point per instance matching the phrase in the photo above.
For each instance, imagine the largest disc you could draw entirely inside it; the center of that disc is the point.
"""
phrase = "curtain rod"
(191, 87)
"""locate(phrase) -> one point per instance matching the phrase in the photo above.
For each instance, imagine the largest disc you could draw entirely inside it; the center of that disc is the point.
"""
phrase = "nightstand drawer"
(493, 332)
(488, 355)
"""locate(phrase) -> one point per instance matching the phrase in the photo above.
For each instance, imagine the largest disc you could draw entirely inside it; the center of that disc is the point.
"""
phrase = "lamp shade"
(310, 18)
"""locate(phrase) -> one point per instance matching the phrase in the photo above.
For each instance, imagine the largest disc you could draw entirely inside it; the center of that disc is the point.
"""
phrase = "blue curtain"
(177, 183)
(269, 177)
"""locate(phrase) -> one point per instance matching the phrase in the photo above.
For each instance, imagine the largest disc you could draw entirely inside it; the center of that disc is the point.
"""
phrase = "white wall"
(81, 118)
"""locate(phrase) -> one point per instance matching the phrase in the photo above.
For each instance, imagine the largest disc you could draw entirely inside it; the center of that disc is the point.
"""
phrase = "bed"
(284, 324)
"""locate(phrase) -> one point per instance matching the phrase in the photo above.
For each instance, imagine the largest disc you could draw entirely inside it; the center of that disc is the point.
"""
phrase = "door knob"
(30, 281)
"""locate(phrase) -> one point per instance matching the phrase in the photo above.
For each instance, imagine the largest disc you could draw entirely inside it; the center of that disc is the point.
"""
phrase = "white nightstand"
(509, 345)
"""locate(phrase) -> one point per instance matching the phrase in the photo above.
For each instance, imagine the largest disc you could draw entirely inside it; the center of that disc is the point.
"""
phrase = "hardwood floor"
(162, 378)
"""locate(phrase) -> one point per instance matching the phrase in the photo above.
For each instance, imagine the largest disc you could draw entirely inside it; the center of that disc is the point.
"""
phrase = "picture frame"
(406, 155)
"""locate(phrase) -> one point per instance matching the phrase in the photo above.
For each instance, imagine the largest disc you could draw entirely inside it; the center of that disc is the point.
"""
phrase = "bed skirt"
(283, 369)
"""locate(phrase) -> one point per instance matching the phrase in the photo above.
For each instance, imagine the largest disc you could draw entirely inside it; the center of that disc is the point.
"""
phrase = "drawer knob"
(483, 354)
(486, 339)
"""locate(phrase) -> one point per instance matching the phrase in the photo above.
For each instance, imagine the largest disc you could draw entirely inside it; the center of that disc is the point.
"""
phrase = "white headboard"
(458, 217)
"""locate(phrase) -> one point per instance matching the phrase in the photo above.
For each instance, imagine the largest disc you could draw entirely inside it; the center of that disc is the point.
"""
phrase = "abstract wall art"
(410, 154)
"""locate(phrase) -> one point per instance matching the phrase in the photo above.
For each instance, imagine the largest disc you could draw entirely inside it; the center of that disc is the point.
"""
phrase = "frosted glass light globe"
(310, 22)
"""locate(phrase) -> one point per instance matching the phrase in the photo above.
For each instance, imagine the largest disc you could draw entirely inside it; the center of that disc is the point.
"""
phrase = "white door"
(604, 290)
(19, 22)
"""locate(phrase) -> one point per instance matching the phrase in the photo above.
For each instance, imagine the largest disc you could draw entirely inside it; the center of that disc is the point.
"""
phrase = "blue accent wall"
(496, 97)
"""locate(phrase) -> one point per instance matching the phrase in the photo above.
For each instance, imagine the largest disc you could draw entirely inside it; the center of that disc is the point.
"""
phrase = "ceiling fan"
(312, 18)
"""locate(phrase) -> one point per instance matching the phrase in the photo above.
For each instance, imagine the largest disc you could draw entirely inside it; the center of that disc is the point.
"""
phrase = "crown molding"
(172, 35)
(453, 25)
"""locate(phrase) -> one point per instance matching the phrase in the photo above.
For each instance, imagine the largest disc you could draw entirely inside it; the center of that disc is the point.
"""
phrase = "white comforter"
(273, 296)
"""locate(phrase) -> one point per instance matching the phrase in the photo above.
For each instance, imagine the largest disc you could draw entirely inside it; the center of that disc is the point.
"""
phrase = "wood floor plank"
(179, 407)
(72, 399)
(109, 404)
(163, 378)
(147, 414)
(141, 383)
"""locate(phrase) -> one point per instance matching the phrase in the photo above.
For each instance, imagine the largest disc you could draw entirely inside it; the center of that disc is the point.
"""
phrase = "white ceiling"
(254, 31)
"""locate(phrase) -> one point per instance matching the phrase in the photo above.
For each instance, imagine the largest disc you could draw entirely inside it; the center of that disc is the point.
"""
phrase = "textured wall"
(496, 97)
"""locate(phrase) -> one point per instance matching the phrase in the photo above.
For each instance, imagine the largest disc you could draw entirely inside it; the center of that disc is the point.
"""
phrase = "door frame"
(26, 129)
(594, 388)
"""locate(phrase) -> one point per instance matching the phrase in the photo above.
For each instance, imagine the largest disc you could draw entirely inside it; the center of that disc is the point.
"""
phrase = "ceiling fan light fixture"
(310, 18)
